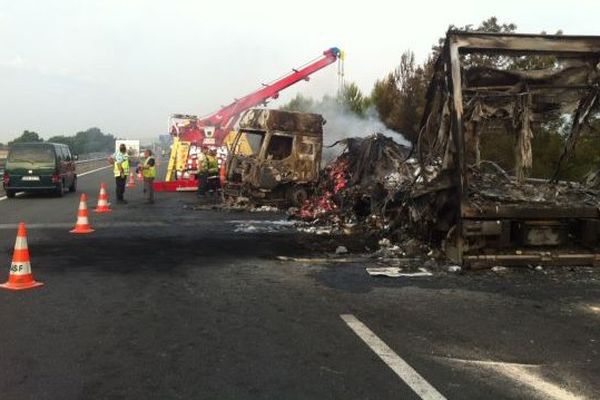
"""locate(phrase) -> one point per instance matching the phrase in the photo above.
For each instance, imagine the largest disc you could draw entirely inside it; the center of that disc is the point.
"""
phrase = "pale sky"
(126, 65)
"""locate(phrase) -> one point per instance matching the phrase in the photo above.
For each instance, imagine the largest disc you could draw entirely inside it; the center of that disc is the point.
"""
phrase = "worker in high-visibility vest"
(202, 173)
(149, 173)
(213, 171)
(120, 160)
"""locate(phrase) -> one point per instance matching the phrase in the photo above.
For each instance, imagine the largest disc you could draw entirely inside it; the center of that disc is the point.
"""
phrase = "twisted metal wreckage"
(498, 218)
(443, 192)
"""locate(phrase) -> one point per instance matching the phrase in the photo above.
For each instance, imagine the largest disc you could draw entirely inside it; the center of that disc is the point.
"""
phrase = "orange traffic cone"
(103, 205)
(222, 175)
(131, 183)
(83, 224)
(20, 276)
(140, 177)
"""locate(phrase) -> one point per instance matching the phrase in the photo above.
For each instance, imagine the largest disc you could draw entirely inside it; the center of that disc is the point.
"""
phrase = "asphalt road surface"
(167, 302)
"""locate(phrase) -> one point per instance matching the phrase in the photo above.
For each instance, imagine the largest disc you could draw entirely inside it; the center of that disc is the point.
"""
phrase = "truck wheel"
(60, 189)
(297, 195)
(10, 194)
(73, 187)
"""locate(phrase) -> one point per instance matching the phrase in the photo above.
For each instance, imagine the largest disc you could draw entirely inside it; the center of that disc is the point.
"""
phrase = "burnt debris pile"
(379, 188)
(368, 189)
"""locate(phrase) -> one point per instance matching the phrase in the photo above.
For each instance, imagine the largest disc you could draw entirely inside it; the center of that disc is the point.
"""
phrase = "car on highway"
(35, 167)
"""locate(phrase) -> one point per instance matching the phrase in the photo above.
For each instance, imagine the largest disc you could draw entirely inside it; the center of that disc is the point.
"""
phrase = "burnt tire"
(297, 195)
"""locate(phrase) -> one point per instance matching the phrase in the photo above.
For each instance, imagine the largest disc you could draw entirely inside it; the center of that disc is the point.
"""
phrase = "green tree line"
(92, 140)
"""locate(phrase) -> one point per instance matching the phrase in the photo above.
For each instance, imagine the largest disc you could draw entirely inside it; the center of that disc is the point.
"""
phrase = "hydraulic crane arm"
(190, 131)
(226, 116)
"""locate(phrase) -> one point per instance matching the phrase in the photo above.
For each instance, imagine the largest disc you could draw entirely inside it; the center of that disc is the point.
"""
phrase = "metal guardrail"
(78, 162)
(90, 156)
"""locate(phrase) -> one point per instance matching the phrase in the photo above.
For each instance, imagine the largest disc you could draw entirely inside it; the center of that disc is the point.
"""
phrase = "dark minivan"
(39, 167)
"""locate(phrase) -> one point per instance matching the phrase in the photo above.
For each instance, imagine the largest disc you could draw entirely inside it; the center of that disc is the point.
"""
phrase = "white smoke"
(342, 124)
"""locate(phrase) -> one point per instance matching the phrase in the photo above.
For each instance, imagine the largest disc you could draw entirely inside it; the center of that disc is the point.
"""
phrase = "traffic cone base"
(21, 283)
(83, 224)
(20, 276)
(79, 229)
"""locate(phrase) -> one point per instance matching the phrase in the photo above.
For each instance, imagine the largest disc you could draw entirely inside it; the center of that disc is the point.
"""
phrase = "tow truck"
(192, 133)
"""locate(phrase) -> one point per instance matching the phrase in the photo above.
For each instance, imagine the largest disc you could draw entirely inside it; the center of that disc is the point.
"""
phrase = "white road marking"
(526, 374)
(94, 170)
(16, 194)
(78, 175)
(407, 373)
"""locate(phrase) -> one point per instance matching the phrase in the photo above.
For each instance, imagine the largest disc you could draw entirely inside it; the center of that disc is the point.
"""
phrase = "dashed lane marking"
(5, 197)
(94, 170)
(407, 373)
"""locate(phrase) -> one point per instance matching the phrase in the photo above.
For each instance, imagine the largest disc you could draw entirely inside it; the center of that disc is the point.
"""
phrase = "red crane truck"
(191, 133)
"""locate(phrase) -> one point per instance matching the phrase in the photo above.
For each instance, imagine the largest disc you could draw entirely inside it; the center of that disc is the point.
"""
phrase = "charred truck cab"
(283, 159)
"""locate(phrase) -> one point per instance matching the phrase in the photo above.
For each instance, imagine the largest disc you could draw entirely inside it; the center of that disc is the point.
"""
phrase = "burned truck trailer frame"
(285, 157)
(512, 218)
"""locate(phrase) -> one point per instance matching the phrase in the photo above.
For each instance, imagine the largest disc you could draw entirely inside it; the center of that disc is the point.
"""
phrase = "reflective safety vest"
(202, 164)
(123, 160)
(149, 171)
(213, 165)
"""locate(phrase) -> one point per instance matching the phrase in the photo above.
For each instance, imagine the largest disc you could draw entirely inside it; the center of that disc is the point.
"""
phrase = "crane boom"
(225, 117)
(216, 126)
(192, 132)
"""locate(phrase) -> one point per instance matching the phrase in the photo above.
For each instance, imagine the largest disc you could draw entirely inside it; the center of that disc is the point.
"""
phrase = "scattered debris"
(395, 272)
(385, 242)
(264, 208)
(321, 260)
(341, 250)
(257, 226)
(390, 272)
(239, 204)
(315, 230)
(454, 268)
